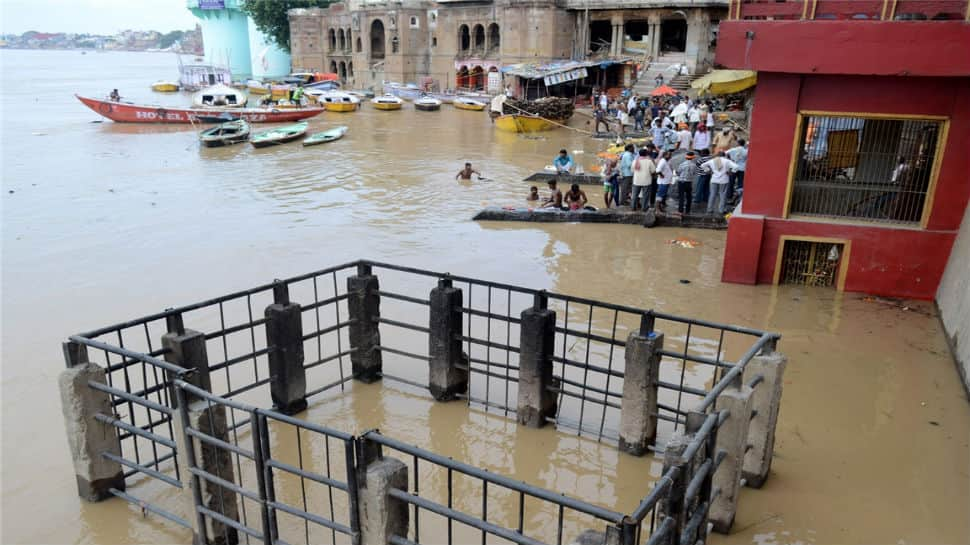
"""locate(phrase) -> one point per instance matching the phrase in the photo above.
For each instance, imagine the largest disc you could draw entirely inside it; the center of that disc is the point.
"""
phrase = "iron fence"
(258, 474)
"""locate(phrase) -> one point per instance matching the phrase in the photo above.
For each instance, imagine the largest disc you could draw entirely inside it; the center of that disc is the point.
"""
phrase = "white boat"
(335, 101)
(387, 102)
(193, 77)
(409, 91)
(220, 95)
(427, 103)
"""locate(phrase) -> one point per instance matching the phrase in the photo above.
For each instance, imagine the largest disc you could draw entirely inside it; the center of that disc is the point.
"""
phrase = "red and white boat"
(124, 112)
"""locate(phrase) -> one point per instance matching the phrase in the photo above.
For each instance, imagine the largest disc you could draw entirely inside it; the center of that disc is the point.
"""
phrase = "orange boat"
(124, 112)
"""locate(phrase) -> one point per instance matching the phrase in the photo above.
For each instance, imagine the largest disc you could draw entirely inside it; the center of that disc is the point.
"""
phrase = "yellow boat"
(526, 123)
(387, 102)
(468, 104)
(336, 101)
(165, 87)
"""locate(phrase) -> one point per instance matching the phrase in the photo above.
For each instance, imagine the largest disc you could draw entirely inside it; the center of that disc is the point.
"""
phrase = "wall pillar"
(381, 515)
(732, 438)
(766, 400)
(448, 374)
(193, 454)
(284, 334)
(537, 330)
(364, 305)
(86, 436)
(641, 373)
(186, 348)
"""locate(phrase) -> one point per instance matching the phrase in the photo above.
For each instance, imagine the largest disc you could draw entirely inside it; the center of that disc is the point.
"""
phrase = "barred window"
(864, 169)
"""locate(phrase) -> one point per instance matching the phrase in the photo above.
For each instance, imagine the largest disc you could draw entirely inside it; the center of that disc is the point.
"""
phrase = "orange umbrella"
(663, 90)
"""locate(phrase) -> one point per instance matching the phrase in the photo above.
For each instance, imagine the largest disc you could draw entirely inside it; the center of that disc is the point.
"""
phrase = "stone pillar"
(364, 304)
(87, 437)
(537, 336)
(284, 333)
(186, 348)
(732, 438)
(766, 400)
(672, 504)
(381, 516)
(641, 373)
(655, 31)
(448, 374)
(210, 419)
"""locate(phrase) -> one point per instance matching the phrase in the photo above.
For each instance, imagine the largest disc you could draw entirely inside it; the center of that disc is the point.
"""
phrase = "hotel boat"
(124, 112)
(387, 102)
(219, 95)
(336, 101)
(464, 103)
(165, 87)
(526, 123)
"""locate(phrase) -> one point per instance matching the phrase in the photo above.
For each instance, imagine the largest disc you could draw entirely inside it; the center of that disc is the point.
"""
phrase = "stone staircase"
(668, 66)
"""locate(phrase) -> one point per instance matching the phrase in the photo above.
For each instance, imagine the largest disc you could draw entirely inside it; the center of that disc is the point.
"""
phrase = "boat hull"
(121, 112)
(339, 106)
(225, 141)
(427, 107)
(525, 123)
(387, 106)
(165, 87)
(470, 107)
(277, 141)
(324, 137)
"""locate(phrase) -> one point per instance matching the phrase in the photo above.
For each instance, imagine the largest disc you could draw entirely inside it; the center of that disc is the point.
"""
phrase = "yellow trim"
(795, 153)
(853, 222)
(934, 170)
(935, 173)
(843, 261)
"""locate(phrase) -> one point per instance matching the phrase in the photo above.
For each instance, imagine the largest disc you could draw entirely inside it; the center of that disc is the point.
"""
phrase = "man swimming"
(465, 174)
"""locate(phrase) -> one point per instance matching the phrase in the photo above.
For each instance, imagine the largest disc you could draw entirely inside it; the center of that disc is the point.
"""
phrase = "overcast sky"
(93, 16)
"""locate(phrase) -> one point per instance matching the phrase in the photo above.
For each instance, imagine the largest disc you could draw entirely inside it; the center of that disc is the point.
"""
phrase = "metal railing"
(850, 10)
(266, 476)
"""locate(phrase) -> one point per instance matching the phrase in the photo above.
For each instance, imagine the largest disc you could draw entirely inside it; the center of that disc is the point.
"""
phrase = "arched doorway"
(360, 44)
(342, 70)
(341, 39)
(476, 78)
(333, 67)
(478, 42)
(464, 38)
(377, 40)
(333, 39)
(494, 41)
(461, 79)
(673, 35)
(350, 41)
(350, 69)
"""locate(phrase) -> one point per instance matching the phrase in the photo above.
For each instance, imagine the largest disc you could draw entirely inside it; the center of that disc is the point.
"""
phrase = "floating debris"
(684, 242)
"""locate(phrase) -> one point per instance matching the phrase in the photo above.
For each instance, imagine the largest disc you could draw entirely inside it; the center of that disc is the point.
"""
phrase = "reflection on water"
(108, 221)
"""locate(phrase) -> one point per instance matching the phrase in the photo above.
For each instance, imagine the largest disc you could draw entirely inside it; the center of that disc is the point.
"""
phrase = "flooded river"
(102, 222)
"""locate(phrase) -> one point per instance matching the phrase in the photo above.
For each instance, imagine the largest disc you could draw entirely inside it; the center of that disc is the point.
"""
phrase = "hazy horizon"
(106, 17)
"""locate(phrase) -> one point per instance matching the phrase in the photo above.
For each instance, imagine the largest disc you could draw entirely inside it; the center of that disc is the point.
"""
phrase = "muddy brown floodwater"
(103, 222)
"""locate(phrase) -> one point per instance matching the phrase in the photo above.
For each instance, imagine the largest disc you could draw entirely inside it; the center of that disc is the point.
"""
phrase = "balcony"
(849, 10)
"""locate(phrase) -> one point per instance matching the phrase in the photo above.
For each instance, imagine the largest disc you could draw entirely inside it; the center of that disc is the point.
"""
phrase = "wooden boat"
(225, 134)
(525, 123)
(224, 117)
(446, 98)
(220, 95)
(125, 112)
(409, 91)
(465, 103)
(165, 87)
(565, 179)
(387, 102)
(337, 101)
(361, 93)
(427, 104)
(279, 135)
(335, 133)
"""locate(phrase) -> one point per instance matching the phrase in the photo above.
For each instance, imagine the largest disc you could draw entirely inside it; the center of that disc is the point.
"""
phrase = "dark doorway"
(464, 38)
(377, 40)
(600, 36)
(673, 35)
(636, 30)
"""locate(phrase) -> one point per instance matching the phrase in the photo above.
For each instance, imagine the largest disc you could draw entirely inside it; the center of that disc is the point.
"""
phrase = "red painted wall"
(744, 246)
(916, 48)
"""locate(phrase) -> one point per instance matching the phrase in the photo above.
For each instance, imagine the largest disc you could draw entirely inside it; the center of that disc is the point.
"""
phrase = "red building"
(859, 167)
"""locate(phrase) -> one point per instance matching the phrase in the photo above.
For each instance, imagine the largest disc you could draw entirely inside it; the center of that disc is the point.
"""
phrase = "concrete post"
(284, 333)
(708, 451)
(766, 400)
(641, 373)
(87, 437)
(381, 516)
(537, 336)
(210, 419)
(448, 374)
(732, 438)
(186, 348)
(364, 304)
(672, 504)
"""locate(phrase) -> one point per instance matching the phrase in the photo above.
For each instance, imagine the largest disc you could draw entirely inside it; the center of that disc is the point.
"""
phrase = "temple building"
(469, 44)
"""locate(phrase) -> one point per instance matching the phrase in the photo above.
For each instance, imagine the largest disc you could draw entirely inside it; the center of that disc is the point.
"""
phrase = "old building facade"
(459, 43)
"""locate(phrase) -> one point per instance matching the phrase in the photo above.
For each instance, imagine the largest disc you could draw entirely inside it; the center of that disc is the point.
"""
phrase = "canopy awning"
(530, 70)
(724, 82)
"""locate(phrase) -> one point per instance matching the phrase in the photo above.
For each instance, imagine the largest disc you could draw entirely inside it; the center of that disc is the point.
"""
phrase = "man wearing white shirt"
(693, 118)
(738, 154)
(643, 171)
(665, 177)
(720, 168)
(683, 138)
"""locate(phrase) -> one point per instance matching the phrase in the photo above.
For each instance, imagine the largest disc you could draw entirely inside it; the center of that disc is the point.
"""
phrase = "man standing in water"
(465, 174)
